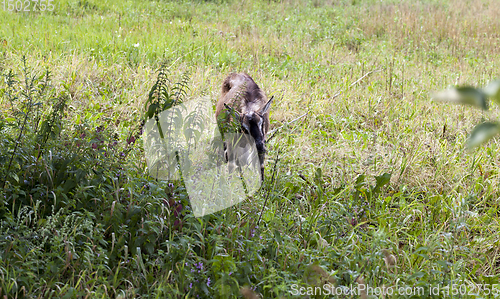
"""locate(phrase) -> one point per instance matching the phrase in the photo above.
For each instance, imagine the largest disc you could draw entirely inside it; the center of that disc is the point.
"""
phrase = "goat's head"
(256, 124)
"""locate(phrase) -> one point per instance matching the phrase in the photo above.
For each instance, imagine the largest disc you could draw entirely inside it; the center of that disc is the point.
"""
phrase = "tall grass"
(364, 70)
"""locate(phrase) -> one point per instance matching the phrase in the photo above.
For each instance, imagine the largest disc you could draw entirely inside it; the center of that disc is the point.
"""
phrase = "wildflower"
(208, 282)
(191, 285)
(199, 265)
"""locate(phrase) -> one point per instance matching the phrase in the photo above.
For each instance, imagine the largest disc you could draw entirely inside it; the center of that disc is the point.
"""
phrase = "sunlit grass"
(438, 214)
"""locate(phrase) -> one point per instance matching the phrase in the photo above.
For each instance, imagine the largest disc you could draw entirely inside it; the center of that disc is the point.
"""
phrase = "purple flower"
(199, 265)
(94, 146)
(230, 273)
(208, 282)
(191, 285)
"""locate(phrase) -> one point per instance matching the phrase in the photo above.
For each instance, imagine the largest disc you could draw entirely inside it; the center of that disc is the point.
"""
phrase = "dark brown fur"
(241, 93)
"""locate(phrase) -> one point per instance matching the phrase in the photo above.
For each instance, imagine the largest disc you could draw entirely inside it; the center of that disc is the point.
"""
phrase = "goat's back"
(240, 92)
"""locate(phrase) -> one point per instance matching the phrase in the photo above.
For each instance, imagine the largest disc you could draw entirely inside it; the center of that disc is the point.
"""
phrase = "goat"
(248, 105)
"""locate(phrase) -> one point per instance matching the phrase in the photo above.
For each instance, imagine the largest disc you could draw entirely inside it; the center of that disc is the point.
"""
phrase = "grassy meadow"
(372, 187)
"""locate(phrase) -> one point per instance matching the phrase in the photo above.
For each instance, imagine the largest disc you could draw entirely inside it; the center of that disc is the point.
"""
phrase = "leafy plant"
(476, 97)
(71, 201)
(164, 94)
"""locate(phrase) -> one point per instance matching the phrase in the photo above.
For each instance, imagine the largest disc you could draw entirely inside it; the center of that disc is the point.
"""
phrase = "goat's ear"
(266, 107)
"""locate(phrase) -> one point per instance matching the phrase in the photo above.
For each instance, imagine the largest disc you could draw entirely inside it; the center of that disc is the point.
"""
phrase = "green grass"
(437, 215)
